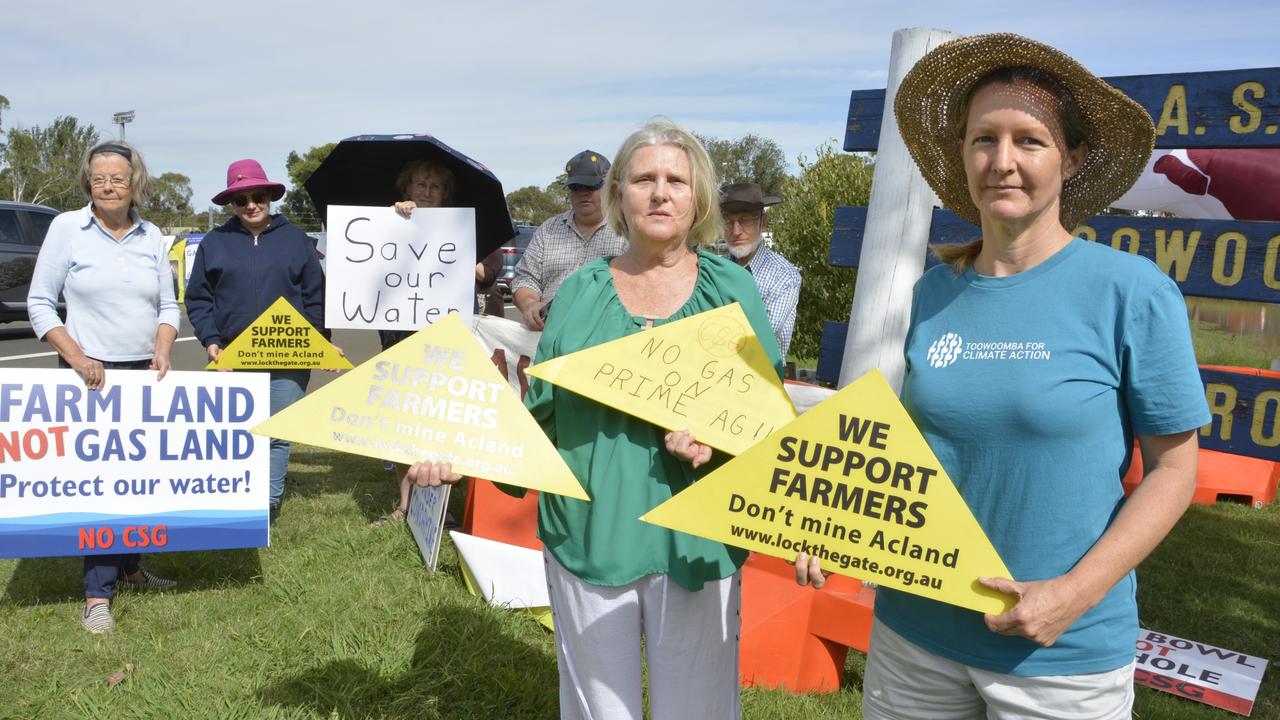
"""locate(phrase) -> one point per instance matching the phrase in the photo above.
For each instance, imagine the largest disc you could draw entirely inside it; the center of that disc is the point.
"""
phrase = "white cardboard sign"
(388, 272)
(1198, 671)
(140, 465)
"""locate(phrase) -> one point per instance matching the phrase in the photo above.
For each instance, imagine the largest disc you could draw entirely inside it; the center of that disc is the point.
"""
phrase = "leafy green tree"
(297, 205)
(42, 164)
(748, 159)
(532, 205)
(169, 206)
(801, 226)
(558, 190)
(4, 105)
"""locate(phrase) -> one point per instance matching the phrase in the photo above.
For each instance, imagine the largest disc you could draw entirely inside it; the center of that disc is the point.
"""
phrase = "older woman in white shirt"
(113, 269)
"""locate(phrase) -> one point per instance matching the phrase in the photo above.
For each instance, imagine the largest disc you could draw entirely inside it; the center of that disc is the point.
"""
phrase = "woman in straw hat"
(1033, 358)
(240, 269)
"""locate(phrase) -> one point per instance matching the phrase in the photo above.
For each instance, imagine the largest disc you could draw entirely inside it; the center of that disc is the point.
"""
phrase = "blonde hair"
(139, 180)
(430, 167)
(707, 223)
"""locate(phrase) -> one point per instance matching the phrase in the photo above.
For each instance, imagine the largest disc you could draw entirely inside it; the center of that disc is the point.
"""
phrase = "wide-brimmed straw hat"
(247, 174)
(930, 98)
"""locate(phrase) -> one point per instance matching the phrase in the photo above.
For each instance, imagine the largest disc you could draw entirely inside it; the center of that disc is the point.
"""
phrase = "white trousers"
(906, 682)
(690, 647)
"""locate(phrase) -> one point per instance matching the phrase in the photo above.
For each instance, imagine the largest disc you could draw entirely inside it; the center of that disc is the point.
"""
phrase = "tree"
(42, 165)
(297, 204)
(170, 204)
(532, 205)
(4, 105)
(801, 226)
(749, 159)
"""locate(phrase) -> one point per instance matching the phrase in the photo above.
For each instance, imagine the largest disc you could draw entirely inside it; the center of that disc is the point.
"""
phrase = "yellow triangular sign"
(852, 482)
(434, 396)
(707, 374)
(280, 339)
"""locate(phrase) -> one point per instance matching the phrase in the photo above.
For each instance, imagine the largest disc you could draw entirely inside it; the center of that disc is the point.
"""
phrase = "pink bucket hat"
(247, 174)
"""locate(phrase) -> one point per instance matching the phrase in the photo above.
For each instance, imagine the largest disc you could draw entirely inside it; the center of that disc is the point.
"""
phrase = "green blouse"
(620, 460)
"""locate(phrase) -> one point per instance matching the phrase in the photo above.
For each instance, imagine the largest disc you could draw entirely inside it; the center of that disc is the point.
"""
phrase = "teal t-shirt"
(1029, 388)
(622, 461)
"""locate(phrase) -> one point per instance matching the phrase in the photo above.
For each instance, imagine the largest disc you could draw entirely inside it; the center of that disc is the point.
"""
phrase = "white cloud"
(522, 86)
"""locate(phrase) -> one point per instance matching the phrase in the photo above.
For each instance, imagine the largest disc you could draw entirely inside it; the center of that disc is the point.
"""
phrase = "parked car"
(511, 254)
(22, 230)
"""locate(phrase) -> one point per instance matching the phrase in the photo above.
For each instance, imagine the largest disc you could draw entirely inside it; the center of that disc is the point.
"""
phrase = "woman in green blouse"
(613, 579)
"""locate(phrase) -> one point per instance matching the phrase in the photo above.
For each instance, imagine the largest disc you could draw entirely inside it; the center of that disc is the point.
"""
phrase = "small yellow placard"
(280, 339)
(434, 396)
(707, 374)
(853, 483)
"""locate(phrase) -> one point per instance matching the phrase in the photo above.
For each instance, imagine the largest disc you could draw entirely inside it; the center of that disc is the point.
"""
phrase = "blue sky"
(523, 86)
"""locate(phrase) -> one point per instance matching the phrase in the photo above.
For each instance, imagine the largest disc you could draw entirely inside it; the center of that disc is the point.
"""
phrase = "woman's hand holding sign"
(428, 474)
(809, 570)
(681, 444)
(1045, 609)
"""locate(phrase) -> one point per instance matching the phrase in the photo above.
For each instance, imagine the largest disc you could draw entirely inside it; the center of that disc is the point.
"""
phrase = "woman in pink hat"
(244, 266)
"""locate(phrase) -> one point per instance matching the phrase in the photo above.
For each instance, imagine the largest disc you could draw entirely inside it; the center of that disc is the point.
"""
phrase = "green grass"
(1217, 346)
(339, 621)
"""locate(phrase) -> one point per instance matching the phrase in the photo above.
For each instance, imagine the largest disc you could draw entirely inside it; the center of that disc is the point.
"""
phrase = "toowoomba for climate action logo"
(951, 347)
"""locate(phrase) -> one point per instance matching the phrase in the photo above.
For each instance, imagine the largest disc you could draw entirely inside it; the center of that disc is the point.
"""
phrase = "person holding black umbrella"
(426, 183)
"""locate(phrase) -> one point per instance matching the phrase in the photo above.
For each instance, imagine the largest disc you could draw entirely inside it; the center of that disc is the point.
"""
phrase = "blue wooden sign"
(1230, 259)
(1246, 414)
(1245, 407)
(1226, 108)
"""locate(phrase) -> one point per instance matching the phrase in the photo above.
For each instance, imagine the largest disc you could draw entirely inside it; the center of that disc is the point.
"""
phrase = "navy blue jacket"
(236, 277)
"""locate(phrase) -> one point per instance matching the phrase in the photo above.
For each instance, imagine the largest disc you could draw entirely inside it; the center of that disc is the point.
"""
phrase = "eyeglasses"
(258, 198)
(749, 224)
(116, 181)
(578, 188)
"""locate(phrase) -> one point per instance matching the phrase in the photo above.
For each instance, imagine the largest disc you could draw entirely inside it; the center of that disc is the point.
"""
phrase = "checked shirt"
(558, 249)
(779, 284)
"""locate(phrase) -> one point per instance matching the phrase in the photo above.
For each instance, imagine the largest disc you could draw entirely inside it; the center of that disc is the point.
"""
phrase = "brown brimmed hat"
(1120, 133)
(745, 196)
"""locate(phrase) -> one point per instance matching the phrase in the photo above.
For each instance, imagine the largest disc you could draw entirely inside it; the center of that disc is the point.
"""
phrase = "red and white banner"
(1198, 671)
(1211, 183)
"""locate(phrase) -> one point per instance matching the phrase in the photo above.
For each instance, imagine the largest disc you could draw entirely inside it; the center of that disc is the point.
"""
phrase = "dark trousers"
(102, 571)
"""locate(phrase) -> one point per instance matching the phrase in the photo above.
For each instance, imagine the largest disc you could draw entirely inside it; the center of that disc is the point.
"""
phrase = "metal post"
(121, 119)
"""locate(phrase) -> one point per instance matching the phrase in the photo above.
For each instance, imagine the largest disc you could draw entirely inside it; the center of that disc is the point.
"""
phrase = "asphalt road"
(20, 348)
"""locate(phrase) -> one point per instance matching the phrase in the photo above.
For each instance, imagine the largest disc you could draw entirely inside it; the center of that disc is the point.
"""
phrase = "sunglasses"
(576, 187)
(258, 198)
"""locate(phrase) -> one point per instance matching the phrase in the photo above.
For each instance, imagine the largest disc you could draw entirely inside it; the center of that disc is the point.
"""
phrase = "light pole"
(121, 119)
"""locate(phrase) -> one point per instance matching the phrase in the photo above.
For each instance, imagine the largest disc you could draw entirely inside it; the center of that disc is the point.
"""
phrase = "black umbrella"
(362, 170)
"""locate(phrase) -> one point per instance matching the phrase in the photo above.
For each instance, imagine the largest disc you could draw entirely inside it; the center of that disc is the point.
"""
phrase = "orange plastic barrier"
(1222, 477)
(796, 637)
(493, 514)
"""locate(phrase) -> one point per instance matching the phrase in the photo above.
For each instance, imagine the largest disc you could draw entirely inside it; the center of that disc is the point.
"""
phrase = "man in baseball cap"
(743, 207)
(566, 241)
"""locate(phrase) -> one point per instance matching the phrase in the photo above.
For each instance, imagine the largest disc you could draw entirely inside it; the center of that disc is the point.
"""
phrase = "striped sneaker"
(148, 582)
(97, 619)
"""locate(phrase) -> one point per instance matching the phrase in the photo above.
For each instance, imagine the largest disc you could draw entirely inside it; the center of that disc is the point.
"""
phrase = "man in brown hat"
(567, 241)
(742, 205)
